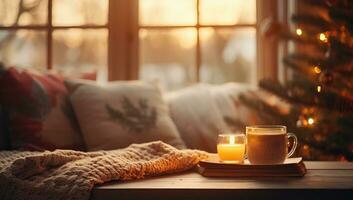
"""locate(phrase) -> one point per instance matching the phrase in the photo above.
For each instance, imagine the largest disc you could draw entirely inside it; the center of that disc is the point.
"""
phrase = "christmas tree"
(320, 85)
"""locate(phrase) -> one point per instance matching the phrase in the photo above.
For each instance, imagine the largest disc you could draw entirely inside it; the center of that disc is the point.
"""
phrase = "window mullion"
(50, 36)
(266, 49)
(198, 46)
(123, 40)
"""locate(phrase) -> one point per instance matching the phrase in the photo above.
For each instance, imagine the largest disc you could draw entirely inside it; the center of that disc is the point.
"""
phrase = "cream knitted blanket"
(66, 174)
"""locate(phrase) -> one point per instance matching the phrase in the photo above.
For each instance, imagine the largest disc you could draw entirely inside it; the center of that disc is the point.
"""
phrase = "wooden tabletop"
(324, 180)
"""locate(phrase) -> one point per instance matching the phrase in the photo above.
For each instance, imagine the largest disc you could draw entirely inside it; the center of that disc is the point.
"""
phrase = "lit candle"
(232, 148)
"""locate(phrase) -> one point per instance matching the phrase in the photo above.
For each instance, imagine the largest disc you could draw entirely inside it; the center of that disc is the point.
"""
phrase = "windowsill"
(324, 180)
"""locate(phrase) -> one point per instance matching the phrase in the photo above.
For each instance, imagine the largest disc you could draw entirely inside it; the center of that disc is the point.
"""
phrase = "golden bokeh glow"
(318, 88)
(299, 31)
(317, 70)
(323, 37)
(311, 121)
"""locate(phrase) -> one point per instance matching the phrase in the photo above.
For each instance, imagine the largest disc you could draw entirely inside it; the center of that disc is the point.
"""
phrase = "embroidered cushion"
(120, 113)
(39, 113)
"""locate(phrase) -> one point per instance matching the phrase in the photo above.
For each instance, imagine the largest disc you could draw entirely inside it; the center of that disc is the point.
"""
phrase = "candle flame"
(232, 139)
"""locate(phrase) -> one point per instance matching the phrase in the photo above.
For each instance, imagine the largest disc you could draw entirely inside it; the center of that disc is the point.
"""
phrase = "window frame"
(123, 41)
(123, 38)
(49, 28)
(266, 51)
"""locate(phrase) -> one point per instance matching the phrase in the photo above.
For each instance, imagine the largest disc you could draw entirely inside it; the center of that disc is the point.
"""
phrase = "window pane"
(168, 56)
(80, 50)
(23, 48)
(82, 12)
(227, 12)
(167, 12)
(29, 12)
(228, 55)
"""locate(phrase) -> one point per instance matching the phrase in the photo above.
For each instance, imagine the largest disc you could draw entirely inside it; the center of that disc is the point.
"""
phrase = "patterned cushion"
(121, 113)
(40, 115)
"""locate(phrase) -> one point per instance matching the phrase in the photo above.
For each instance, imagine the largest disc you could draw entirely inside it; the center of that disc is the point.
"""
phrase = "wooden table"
(324, 180)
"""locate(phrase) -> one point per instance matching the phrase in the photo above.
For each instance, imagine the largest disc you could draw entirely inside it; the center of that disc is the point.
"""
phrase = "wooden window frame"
(127, 43)
(123, 41)
(268, 53)
(49, 28)
(271, 52)
(123, 45)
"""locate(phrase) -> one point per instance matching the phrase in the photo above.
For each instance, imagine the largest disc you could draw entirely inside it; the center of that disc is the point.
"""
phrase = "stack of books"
(213, 167)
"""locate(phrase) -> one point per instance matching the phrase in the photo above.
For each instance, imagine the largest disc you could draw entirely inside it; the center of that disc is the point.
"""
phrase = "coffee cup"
(268, 144)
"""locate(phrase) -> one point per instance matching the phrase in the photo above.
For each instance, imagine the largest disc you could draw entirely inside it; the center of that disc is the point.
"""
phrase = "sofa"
(46, 111)
(60, 137)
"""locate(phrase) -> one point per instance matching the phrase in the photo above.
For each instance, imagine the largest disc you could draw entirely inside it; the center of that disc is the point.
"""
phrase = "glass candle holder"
(231, 147)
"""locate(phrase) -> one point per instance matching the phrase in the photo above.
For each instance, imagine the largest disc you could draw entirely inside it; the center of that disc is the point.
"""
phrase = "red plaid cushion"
(40, 115)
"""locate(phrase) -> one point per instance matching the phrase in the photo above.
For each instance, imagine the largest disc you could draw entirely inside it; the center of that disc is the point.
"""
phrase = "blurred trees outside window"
(73, 40)
(187, 41)
(179, 42)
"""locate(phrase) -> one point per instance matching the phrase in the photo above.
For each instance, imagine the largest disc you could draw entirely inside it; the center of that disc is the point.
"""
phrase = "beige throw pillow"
(196, 116)
(235, 114)
(121, 113)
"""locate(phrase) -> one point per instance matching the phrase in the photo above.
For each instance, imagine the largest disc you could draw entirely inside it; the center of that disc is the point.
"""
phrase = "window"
(70, 36)
(175, 43)
(187, 41)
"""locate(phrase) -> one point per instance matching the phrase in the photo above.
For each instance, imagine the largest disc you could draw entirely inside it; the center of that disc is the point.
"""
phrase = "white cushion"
(120, 113)
(197, 116)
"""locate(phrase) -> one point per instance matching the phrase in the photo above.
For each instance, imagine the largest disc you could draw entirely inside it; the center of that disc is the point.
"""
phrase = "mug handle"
(295, 142)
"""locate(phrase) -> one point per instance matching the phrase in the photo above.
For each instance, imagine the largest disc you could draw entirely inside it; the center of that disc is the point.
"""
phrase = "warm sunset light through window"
(72, 50)
(180, 42)
(179, 47)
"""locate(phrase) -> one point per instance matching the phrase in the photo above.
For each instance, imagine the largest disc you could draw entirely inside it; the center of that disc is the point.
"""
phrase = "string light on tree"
(310, 121)
(318, 88)
(317, 69)
(299, 31)
(307, 118)
(305, 121)
(323, 37)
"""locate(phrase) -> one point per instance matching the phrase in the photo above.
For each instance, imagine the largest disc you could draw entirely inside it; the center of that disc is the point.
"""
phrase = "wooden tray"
(213, 167)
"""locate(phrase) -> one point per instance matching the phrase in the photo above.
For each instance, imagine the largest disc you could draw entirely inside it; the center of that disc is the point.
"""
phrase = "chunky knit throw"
(66, 174)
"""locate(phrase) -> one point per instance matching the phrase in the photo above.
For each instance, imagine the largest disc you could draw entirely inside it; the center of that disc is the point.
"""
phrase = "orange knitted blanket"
(66, 174)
